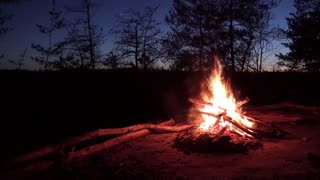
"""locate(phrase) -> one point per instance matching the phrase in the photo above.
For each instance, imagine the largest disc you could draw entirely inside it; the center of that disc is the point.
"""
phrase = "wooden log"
(244, 129)
(220, 133)
(121, 139)
(241, 103)
(75, 140)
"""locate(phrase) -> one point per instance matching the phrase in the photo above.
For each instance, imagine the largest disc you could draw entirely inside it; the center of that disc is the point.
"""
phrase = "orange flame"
(221, 101)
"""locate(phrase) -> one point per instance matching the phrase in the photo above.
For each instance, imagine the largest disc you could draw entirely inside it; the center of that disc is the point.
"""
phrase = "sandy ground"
(154, 157)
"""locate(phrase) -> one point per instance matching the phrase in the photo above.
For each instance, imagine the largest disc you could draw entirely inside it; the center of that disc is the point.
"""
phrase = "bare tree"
(111, 60)
(20, 61)
(88, 34)
(138, 37)
(56, 23)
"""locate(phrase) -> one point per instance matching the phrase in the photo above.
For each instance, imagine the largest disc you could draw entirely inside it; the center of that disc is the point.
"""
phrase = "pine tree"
(304, 37)
(228, 28)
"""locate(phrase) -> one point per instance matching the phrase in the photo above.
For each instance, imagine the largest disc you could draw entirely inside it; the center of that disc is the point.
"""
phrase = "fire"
(220, 111)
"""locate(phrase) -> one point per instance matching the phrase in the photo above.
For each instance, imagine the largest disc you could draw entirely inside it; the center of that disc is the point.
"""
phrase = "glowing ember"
(220, 111)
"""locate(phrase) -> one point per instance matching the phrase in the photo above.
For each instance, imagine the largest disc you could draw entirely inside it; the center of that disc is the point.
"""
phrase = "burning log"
(124, 138)
(240, 126)
(37, 154)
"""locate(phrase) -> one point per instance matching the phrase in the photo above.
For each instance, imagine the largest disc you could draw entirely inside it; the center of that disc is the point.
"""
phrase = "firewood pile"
(262, 128)
(223, 139)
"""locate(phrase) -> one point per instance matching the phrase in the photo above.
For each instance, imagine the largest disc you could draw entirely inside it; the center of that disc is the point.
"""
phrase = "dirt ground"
(154, 157)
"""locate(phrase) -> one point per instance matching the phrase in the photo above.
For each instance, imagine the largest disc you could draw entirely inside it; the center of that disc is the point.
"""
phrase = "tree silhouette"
(138, 37)
(304, 37)
(4, 18)
(78, 45)
(52, 50)
(20, 61)
(194, 31)
(225, 27)
(111, 60)
(85, 37)
(252, 33)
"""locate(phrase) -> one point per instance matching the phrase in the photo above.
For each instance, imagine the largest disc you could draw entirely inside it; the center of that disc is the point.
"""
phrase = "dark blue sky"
(31, 12)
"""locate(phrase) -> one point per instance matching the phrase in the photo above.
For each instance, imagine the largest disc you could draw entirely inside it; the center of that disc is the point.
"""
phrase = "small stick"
(241, 103)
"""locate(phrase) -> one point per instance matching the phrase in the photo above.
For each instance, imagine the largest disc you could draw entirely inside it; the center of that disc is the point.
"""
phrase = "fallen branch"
(90, 135)
(124, 138)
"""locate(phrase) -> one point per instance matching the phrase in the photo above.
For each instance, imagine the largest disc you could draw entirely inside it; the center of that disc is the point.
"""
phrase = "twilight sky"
(31, 12)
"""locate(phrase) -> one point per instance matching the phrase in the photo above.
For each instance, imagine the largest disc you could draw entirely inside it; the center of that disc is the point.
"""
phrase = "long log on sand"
(121, 139)
(90, 135)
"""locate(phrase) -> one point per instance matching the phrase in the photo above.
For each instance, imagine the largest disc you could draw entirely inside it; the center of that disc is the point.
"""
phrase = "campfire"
(224, 126)
(220, 111)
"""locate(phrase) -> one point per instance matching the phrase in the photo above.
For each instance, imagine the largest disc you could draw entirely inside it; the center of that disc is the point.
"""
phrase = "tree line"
(238, 31)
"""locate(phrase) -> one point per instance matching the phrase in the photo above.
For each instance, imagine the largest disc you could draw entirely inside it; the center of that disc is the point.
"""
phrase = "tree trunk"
(231, 34)
(92, 57)
(136, 52)
(201, 46)
(48, 53)
(246, 52)
(260, 58)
